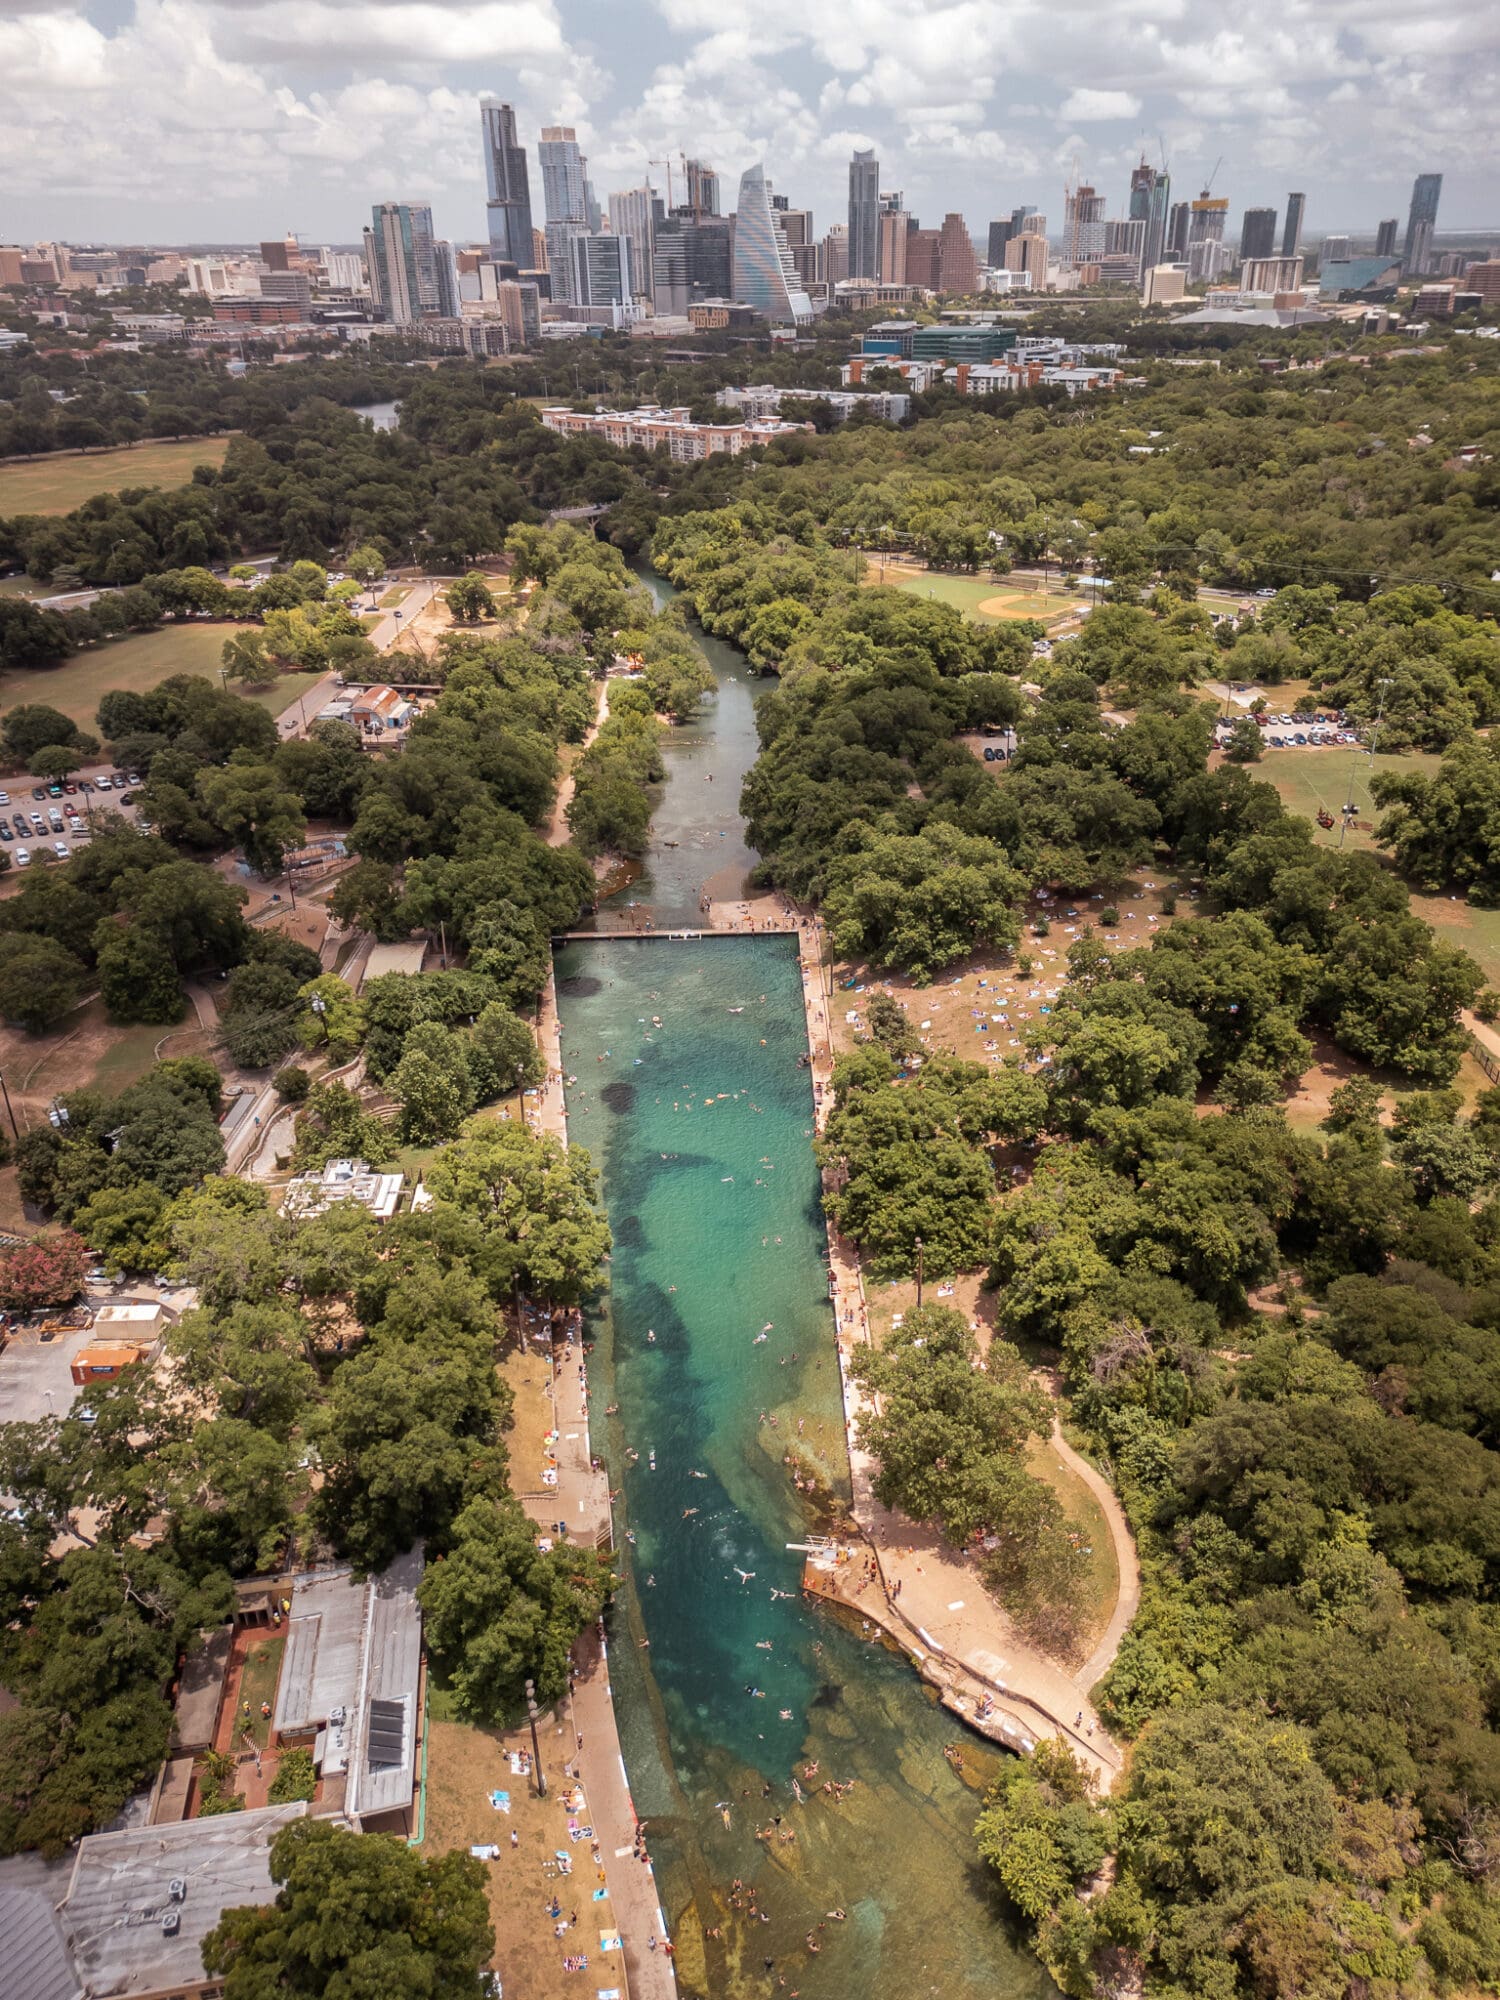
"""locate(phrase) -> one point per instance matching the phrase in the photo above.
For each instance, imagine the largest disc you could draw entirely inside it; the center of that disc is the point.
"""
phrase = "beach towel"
(600, 1894)
(500, 1801)
(485, 1853)
(609, 1941)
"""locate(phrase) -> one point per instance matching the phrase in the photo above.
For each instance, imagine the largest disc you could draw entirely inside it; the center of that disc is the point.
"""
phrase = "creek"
(727, 1685)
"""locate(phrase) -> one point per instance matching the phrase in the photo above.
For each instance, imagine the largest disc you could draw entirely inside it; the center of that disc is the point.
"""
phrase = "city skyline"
(300, 116)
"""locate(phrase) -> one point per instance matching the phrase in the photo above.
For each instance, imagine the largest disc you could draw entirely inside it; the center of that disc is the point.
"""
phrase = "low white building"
(666, 430)
(343, 1180)
(766, 401)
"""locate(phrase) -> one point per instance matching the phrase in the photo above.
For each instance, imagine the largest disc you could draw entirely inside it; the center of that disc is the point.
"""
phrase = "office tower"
(1027, 253)
(1019, 217)
(1385, 238)
(1258, 234)
(601, 273)
(564, 193)
(795, 224)
(635, 214)
(702, 189)
(1083, 227)
(764, 276)
(836, 255)
(1421, 224)
(922, 247)
(445, 279)
(1271, 274)
(958, 267)
(1142, 183)
(864, 215)
(1179, 220)
(1163, 284)
(1154, 240)
(1291, 235)
(691, 262)
(995, 248)
(1334, 250)
(278, 256)
(895, 227)
(508, 205)
(400, 257)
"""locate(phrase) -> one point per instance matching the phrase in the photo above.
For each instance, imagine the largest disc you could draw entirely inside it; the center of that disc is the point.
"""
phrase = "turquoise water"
(700, 1120)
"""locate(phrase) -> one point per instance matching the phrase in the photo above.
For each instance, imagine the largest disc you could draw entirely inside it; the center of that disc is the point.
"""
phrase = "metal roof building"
(351, 1679)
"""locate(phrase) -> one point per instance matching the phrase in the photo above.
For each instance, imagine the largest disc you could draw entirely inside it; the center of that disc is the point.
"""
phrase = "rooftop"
(343, 1180)
(122, 1891)
(351, 1672)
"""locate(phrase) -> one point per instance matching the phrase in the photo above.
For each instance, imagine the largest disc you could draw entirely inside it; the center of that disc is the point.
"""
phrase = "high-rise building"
(1421, 225)
(764, 274)
(995, 248)
(702, 189)
(1385, 237)
(1258, 234)
(922, 247)
(635, 214)
(1271, 274)
(1179, 221)
(508, 185)
(1333, 250)
(1083, 227)
(601, 273)
(864, 215)
(1142, 182)
(1154, 242)
(278, 256)
(564, 180)
(835, 259)
(895, 227)
(401, 258)
(1206, 252)
(445, 278)
(1291, 235)
(1027, 253)
(958, 267)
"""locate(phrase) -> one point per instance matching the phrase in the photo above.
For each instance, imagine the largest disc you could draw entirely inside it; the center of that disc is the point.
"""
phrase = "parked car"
(128, 798)
(60, 849)
(132, 777)
(70, 788)
(23, 857)
(38, 822)
(39, 791)
(54, 791)
(4, 798)
(5, 832)
(104, 782)
(75, 824)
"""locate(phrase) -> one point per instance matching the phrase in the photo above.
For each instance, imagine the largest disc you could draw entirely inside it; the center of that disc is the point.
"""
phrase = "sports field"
(980, 598)
(1308, 779)
(64, 480)
(136, 664)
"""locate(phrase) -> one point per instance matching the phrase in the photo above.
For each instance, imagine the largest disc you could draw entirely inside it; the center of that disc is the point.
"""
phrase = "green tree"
(407, 1924)
(470, 599)
(537, 1203)
(498, 1612)
(244, 658)
(40, 981)
(248, 803)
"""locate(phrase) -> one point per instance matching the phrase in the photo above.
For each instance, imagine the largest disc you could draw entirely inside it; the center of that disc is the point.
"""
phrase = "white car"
(60, 849)
(23, 857)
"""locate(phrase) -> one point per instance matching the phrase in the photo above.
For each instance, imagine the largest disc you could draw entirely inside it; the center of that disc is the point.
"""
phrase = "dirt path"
(558, 833)
(1127, 1603)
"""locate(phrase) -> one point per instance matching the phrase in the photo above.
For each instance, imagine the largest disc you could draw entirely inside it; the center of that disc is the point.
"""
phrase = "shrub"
(295, 1778)
(292, 1083)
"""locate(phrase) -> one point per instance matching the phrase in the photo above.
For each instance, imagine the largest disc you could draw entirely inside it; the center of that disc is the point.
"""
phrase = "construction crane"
(1208, 185)
(667, 163)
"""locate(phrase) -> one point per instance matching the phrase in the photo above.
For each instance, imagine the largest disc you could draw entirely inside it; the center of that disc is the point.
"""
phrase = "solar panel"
(385, 1741)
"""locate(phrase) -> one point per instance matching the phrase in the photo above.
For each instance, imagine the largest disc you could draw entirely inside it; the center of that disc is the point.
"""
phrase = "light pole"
(15, 1130)
(320, 1007)
(919, 1271)
(532, 1711)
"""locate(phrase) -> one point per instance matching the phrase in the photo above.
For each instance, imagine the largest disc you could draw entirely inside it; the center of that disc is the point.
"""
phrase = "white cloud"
(416, 32)
(1084, 107)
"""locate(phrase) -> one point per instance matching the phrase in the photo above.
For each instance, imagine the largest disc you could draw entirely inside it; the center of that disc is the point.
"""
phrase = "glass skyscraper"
(509, 203)
(1291, 235)
(1421, 225)
(764, 275)
(402, 259)
(864, 216)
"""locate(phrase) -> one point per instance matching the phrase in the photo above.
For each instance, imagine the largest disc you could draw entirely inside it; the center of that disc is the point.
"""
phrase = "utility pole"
(532, 1712)
(15, 1129)
(919, 1270)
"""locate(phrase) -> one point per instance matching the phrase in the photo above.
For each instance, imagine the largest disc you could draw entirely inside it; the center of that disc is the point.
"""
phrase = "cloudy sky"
(223, 120)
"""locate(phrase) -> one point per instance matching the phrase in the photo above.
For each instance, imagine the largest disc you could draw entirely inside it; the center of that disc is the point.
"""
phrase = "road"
(383, 635)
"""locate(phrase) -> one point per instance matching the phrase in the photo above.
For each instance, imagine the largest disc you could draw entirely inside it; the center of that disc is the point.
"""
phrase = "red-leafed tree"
(48, 1272)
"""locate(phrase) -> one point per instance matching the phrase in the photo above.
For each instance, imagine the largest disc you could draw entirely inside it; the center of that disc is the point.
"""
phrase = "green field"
(138, 663)
(968, 593)
(1308, 778)
(62, 481)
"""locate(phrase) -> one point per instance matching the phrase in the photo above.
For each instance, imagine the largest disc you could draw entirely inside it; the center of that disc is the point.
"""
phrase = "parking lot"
(35, 1375)
(65, 811)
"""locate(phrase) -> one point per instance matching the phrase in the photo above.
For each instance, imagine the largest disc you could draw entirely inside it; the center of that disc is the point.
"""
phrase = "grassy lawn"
(1475, 931)
(22, 586)
(1308, 778)
(60, 482)
(1101, 1584)
(258, 1684)
(138, 663)
(980, 598)
(398, 594)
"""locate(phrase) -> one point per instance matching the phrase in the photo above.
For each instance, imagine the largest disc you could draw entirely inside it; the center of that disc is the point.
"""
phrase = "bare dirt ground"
(420, 635)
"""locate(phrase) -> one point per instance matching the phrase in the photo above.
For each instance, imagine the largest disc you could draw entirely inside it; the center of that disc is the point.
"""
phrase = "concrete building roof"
(404, 957)
(344, 1180)
(200, 1692)
(121, 1891)
(351, 1671)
